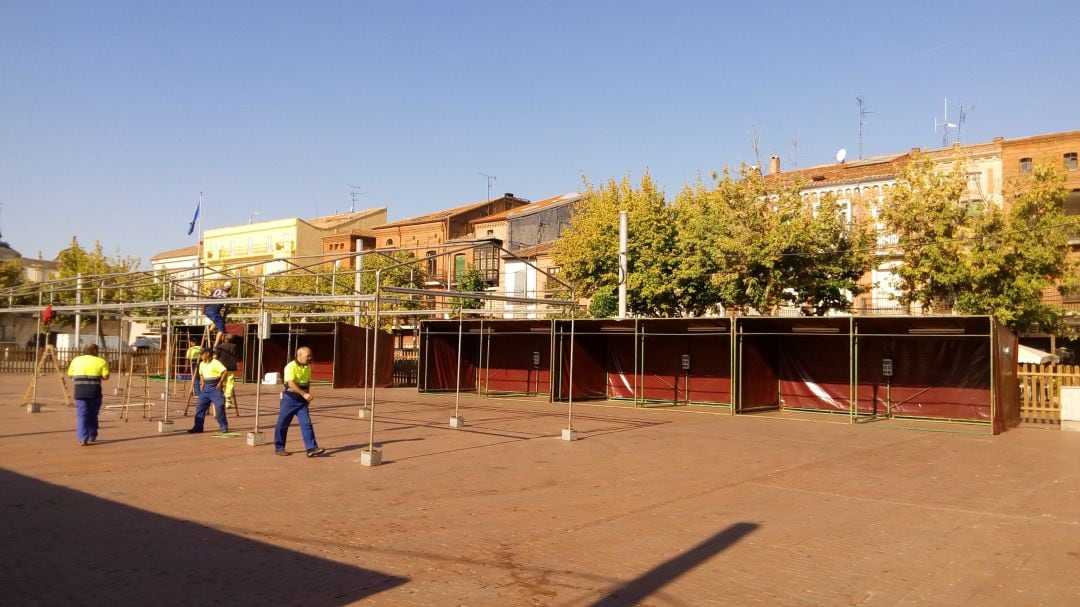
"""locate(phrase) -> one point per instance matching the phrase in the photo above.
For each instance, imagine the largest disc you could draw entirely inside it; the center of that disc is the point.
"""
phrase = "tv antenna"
(863, 113)
(841, 155)
(353, 194)
(251, 216)
(490, 181)
(945, 125)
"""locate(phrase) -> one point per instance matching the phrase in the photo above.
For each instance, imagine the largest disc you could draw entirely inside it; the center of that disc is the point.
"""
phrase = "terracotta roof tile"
(330, 221)
(191, 251)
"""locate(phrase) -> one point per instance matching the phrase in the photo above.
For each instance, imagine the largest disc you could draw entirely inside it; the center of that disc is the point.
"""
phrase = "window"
(486, 261)
(389, 242)
(1025, 165)
(431, 263)
(520, 281)
(459, 267)
(1070, 161)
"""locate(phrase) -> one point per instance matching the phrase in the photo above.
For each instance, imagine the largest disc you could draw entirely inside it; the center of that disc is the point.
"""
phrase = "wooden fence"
(1040, 391)
(19, 359)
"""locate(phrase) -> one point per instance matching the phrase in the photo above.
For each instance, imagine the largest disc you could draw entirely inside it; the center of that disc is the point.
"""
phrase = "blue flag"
(194, 218)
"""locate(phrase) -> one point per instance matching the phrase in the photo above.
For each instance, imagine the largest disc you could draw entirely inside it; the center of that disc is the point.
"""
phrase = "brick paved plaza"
(670, 506)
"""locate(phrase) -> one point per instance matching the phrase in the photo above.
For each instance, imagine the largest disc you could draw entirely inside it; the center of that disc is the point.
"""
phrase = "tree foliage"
(746, 244)
(734, 242)
(11, 274)
(95, 266)
(471, 281)
(588, 250)
(975, 258)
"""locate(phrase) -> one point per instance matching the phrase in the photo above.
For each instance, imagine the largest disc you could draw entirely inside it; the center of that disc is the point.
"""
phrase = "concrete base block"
(33, 407)
(165, 426)
(457, 422)
(255, 439)
(371, 458)
(568, 434)
(1070, 426)
(365, 413)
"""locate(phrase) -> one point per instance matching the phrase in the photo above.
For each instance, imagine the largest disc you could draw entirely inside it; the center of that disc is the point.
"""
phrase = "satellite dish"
(841, 154)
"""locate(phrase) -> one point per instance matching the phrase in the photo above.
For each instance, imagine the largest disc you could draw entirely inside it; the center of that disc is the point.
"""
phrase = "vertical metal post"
(263, 319)
(993, 373)
(853, 415)
(457, 381)
(169, 347)
(570, 391)
(37, 346)
(374, 366)
(623, 266)
(78, 309)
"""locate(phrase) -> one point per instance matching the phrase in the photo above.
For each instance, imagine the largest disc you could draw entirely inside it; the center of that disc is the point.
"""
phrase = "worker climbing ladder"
(49, 354)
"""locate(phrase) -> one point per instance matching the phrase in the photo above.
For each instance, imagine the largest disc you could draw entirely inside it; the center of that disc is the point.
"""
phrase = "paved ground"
(651, 507)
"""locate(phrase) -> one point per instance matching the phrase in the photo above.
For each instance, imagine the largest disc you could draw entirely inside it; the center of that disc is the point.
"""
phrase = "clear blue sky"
(115, 115)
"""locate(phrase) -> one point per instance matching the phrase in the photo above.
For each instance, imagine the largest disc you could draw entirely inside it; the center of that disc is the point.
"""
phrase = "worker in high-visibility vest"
(88, 371)
(294, 403)
(194, 352)
(210, 391)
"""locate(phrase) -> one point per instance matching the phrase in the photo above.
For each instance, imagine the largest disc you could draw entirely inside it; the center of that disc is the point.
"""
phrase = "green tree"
(95, 265)
(471, 281)
(925, 212)
(10, 274)
(605, 303)
(974, 258)
(588, 250)
(1021, 254)
(750, 244)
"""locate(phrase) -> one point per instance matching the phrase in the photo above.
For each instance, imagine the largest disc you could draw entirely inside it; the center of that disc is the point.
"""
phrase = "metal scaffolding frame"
(112, 295)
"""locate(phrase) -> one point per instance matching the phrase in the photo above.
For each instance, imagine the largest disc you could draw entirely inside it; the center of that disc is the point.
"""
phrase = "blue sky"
(115, 115)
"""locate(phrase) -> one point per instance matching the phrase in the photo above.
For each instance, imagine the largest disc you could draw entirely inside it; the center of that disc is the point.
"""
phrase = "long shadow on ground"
(59, 546)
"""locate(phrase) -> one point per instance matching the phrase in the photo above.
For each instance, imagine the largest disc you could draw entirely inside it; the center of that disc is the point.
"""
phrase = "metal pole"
(168, 337)
(623, 268)
(259, 333)
(37, 347)
(367, 365)
(78, 309)
(374, 367)
(570, 391)
(457, 381)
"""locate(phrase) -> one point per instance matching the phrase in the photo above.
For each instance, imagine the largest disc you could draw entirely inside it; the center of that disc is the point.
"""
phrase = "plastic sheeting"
(337, 349)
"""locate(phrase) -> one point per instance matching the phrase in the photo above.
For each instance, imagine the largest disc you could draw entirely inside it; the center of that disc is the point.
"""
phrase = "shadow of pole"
(637, 589)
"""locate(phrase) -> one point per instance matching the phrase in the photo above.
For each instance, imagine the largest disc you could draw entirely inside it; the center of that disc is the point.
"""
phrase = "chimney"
(915, 150)
(774, 164)
(509, 194)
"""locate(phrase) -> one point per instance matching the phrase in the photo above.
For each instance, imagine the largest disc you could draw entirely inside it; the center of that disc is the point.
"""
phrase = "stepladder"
(205, 343)
(47, 356)
(230, 400)
(137, 386)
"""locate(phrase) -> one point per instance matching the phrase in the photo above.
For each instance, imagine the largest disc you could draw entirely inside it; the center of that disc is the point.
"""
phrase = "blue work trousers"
(86, 418)
(213, 312)
(209, 393)
(293, 405)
